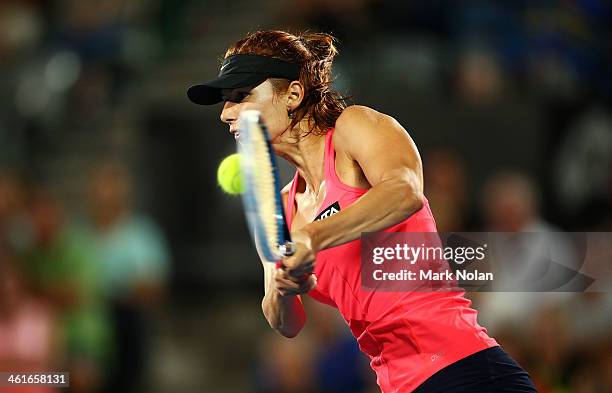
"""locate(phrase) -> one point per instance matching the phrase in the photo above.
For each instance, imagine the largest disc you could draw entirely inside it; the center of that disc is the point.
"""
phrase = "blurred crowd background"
(123, 263)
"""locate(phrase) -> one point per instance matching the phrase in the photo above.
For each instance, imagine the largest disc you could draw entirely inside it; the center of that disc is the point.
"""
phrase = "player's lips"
(234, 132)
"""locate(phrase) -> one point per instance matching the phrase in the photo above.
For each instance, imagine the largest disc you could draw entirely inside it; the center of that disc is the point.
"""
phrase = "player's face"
(273, 107)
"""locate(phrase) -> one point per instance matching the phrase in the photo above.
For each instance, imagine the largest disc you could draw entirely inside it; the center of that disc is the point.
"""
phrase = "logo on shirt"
(329, 211)
(437, 356)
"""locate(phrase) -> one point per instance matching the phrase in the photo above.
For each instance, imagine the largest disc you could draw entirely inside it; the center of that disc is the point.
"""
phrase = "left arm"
(391, 163)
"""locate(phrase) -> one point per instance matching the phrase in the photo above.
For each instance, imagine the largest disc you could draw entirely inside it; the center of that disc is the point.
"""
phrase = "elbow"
(288, 333)
(412, 202)
(289, 330)
(417, 202)
(272, 320)
(285, 330)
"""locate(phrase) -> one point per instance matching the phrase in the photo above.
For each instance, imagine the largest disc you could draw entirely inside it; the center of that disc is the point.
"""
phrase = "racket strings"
(265, 185)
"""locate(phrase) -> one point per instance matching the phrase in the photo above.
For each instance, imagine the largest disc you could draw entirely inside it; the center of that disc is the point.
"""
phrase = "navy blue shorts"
(489, 371)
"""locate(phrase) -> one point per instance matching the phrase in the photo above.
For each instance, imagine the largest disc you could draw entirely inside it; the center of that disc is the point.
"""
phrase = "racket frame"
(247, 120)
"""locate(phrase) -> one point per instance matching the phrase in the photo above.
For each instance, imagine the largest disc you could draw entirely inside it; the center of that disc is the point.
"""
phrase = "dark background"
(509, 102)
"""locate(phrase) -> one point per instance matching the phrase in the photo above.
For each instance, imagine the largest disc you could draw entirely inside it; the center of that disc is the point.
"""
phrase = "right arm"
(282, 305)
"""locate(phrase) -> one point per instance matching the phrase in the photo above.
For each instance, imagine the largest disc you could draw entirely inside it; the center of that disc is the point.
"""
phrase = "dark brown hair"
(314, 52)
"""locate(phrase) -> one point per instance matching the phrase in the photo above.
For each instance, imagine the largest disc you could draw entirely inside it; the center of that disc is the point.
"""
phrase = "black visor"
(242, 71)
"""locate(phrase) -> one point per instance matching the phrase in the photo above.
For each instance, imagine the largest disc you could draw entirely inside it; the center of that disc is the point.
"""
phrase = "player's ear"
(295, 95)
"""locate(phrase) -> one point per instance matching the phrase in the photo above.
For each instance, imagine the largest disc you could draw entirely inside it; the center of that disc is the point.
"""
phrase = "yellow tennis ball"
(229, 176)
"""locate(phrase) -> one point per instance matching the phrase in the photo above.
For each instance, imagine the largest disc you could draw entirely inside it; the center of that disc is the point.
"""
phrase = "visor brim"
(209, 93)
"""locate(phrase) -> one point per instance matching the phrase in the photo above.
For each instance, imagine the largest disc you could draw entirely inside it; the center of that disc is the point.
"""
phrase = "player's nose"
(229, 114)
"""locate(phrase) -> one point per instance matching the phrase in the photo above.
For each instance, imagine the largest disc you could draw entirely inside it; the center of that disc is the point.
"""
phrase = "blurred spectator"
(134, 260)
(511, 204)
(583, 168)
(285, 365)
(479, 78)
(340, 367)
(564, 327)
(550, 355)
(28, 337)
(591, 317)
(8, 204)
(324, 358)
(566, 45)
(446, 189)
(62, 268)
(605, 364)
(94, 30)
(530, 262)
(20, 28)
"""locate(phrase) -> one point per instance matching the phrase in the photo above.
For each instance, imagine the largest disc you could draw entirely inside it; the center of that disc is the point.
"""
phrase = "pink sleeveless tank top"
(408, 336)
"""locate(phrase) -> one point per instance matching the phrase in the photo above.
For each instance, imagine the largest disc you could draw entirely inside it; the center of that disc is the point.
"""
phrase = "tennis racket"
(261, 198)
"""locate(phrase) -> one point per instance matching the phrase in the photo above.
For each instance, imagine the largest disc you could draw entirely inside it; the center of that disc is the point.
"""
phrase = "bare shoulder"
(357, 115)
(361, 123)
(360, 113)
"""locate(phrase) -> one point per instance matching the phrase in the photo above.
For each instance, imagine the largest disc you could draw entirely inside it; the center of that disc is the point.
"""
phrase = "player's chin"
(275, 142)
(276, 136)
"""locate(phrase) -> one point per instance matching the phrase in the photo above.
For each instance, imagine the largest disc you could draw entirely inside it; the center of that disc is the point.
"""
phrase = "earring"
(290, 114)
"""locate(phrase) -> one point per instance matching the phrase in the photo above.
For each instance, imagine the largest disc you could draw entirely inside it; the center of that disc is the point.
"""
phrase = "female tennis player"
(358, 171)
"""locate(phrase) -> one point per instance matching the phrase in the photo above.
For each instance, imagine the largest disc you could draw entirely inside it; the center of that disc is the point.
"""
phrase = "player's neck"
(307, 154)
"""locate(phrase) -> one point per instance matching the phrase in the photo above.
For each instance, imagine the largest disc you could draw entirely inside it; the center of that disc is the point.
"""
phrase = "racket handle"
(287, 249)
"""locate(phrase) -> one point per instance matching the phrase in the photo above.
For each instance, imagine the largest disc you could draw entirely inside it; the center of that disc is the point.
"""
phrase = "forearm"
(285, 314)
(283, 310)
(384, 205)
